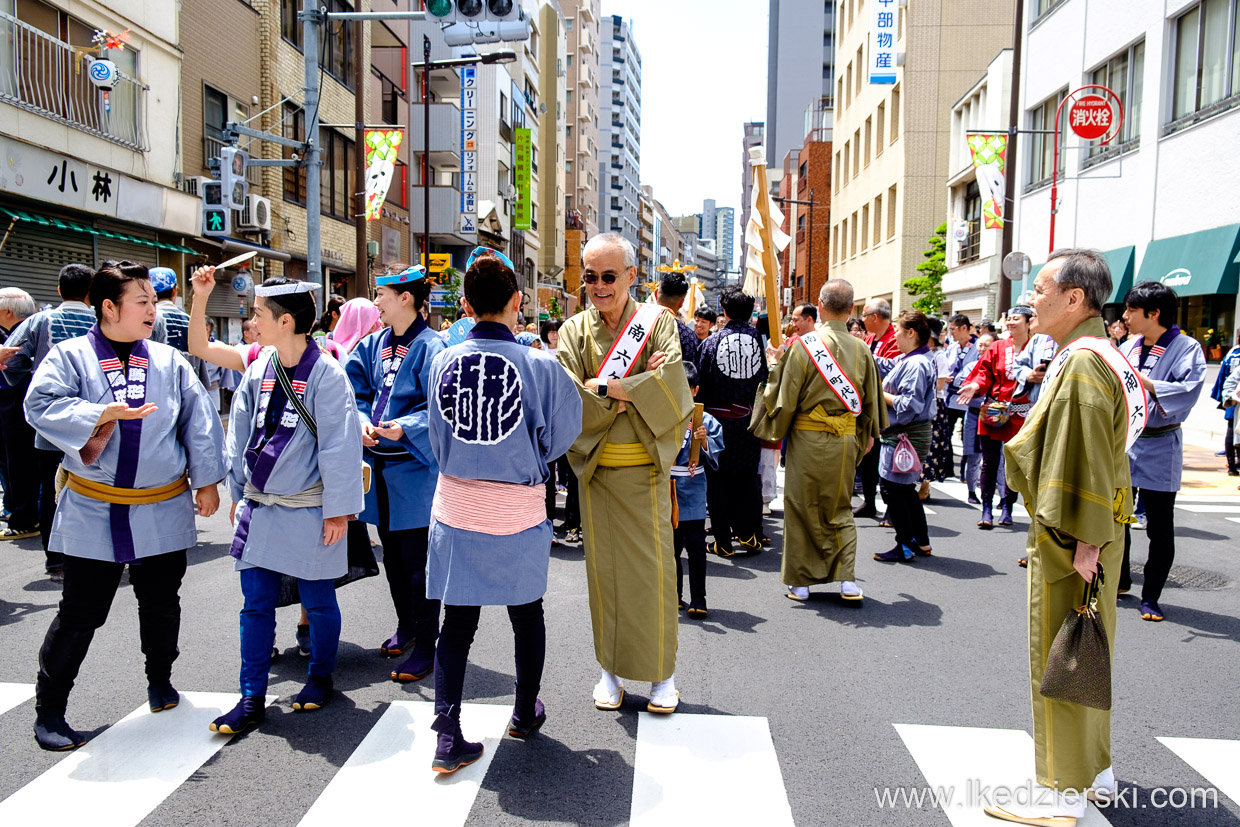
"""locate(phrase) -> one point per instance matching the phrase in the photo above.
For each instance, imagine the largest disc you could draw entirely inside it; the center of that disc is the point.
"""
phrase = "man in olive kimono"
(1069, 461)
(626, 361)
(824, 377)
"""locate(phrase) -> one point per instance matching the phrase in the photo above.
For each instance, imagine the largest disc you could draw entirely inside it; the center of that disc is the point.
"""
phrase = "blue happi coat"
(290, 540)
(36, 336)
(408, 466)
(1156, 460)
(502, 412)
(68, 393)
(691, 490)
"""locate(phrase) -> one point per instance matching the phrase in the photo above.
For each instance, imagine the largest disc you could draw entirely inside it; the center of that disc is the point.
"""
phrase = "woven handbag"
(1078, 667)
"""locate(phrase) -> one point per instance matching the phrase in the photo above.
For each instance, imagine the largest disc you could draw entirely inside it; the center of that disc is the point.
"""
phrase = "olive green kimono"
(626, 495)
(1069, 462)
(820, 536)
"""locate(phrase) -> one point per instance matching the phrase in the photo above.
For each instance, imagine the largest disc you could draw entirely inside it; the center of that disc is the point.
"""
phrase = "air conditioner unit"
(193, 184)
(257, 213)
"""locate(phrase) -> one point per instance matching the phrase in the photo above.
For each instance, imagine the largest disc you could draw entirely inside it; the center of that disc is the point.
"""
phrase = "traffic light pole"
(311, 17)
(426, 153)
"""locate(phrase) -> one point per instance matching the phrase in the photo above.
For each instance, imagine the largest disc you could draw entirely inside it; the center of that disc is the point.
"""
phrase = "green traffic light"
(439, 8)
(469, 8)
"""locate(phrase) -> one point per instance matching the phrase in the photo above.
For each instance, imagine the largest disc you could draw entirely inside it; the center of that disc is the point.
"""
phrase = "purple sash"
(262, 454)
(392, 358)
(128, 387)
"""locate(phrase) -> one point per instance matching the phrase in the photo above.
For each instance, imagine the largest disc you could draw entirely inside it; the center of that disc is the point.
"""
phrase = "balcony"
(40, 74)
(445, 132)
(445, 210)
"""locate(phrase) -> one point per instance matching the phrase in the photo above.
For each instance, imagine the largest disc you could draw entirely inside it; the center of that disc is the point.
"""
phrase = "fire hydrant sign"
(1091, 117)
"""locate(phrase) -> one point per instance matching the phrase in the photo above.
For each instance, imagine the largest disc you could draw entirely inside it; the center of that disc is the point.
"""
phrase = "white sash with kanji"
(829, 369)
(629, 342)
(1134, 393)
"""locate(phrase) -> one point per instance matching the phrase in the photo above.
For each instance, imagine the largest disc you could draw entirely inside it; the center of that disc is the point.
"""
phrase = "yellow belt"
(624, 455)
(819, 420)
(126, 496)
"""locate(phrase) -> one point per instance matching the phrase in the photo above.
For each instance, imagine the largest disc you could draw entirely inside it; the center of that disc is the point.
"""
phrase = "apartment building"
(552, 53)
(620, 102)
(755, 135)
(800, 69)
(892, 142)
(581, 23)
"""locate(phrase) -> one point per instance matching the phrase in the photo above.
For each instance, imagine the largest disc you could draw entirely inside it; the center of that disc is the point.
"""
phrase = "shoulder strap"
(302, 411)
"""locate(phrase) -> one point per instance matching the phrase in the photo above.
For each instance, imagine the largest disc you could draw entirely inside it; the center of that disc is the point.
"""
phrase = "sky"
(703, 78)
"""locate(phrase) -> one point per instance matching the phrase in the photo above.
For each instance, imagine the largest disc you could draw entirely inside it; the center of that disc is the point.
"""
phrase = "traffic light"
(480, 21)
(216, 221)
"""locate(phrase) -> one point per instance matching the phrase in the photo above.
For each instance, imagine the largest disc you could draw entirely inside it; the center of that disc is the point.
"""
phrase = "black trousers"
(1160, 526)
(572, 500)
(734, 502)
(992, 453)
(21, 489)
(907, 515)
(690, 537)
(529, 635)
(404, 562)
(49, 464)
(869, 475)
(1229, 448)
(89, 588)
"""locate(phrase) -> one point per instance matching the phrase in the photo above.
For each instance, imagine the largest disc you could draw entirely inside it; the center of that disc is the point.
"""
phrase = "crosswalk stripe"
(682, 768)
(1216, 760)
(1234, 519)
(395, 757)
(121, 775)
(957, 490)
(14, 694)
(1198, 508)
(960, 762)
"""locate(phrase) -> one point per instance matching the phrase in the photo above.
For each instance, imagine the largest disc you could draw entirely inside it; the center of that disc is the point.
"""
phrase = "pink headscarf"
(358, 319)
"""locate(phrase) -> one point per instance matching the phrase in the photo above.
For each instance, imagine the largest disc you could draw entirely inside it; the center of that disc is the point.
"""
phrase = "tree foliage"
(929, 286)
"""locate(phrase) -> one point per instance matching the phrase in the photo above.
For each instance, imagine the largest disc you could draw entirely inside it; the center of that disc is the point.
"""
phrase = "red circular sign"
(1091, 117)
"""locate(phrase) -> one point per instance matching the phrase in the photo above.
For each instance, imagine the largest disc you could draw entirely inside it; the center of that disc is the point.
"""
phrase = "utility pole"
(426, 152)
(809, 256)
(361, 276)
(1004, 298)
(311, 18)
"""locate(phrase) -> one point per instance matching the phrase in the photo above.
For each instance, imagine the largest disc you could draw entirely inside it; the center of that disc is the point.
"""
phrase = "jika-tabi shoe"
(973, 500)
(988, 521)
(867, 510)
(314, 695)
(52, 733)
(249, 712)
(608, 692)
(1151, 611)
(303, 639)
(663, 697)
(1005, 514)
(414, 669)
(523, 729)
(1023, 562)
(162, 697)
(899, 554)
(798, 593)
(697, 609)
(850, 590)
(397, 645)
(452, 751)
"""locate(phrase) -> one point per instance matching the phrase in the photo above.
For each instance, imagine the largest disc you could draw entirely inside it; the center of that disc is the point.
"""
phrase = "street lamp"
(489, 58)
(809, 269)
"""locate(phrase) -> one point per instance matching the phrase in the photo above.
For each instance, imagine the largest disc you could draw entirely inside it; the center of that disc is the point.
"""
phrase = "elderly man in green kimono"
(626, 361)
(824, 396)
(1069, 461)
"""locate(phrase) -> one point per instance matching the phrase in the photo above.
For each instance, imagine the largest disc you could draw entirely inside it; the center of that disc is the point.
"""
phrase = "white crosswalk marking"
(1217, 761)
(961, 762)
(1199, 508)
(120, 776)
(396, 755)
(681, 760)
(1234, 519)
(14, 694)
(957, 490)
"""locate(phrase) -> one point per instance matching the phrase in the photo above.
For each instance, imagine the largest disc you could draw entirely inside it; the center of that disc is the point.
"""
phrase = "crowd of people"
(454, 451)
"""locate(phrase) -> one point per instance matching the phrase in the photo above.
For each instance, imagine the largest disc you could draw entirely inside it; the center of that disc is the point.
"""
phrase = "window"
(865, 226)
(835, 244)
(971, 249)
(852, 244)
(1122, 75)
(839, 94)
(398, 191)
(846, 159)
(294, 177)
(803, 170)
(336, 182)
(844, 235)
(868, 130)
(856, 152)
(290, 26)
(848, 87)
(860, 69)
(1042, 146)
(1044, 7)
(214, 112)
(895, 113)
(568, 24)
(891, 212)
(837, 172)
(880, 122)
(878, 219)
(570, 60)
(1207, 60)
(338, 51)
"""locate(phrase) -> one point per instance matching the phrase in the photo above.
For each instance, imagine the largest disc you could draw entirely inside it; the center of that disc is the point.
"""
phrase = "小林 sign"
(1091, 117)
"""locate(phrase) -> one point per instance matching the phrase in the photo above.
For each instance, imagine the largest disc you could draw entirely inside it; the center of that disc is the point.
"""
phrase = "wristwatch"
(601, 389)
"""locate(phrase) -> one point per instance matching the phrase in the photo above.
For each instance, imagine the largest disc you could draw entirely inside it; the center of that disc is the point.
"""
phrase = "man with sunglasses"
(626, 361)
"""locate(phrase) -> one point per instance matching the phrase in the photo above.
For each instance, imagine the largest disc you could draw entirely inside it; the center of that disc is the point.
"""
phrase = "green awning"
(1120, 261)
(73, 226)
(1196, 264)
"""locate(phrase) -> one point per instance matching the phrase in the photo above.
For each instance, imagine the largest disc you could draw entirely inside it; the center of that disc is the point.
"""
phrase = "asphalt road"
(938, 642)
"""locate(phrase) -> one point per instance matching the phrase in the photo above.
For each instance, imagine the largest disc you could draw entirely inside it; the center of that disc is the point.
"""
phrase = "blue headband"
(412, 274)
(483, 252)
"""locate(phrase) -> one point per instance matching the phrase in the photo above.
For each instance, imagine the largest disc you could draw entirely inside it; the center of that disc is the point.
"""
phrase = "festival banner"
(382, 149)
(523, 152)
(989, 161)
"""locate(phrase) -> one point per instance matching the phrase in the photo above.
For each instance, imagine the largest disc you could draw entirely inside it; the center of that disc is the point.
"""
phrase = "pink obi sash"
(488, 507)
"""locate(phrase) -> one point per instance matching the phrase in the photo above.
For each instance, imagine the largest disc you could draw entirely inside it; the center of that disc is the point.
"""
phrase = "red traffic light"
(469, 8)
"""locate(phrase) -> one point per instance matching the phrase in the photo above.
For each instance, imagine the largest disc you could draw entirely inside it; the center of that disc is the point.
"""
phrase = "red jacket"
(886, 348)
(991, 375)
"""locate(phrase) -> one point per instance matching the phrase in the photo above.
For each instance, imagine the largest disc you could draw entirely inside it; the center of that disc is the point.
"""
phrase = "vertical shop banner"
(523, 151)
(468, 224)
(883, 33)
(990, 161)
(382, 150)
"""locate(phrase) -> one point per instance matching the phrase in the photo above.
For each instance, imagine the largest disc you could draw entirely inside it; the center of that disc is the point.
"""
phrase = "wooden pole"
(695, 447)
(770, 265)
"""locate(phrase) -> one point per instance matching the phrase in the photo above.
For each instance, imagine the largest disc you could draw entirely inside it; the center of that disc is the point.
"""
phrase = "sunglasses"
(483, 252)
(593, 278)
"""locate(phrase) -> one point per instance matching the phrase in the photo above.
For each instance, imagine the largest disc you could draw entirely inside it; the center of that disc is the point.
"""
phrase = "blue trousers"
(261, 588)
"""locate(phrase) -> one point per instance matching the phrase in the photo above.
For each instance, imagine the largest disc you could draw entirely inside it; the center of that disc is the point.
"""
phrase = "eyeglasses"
(483, 252)
(590, 277)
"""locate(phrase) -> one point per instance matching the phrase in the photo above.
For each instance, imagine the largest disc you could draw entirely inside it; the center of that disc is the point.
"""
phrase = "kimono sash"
(629, 342)
(830, 371)
(128, 386)
(262, 454)
(1134, 393)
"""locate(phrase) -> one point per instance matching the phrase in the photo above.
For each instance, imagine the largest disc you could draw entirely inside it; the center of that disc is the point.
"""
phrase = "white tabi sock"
(664, 693)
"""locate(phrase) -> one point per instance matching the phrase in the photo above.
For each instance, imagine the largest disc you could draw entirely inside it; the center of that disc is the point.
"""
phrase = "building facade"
(620, 103)
(800, 69)
(755, 135)
(891, 141)
(581, 23)
(552, 51)
(725, 238)
(1159, 200)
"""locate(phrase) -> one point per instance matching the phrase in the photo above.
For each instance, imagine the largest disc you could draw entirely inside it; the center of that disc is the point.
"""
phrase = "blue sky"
(703, 77)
